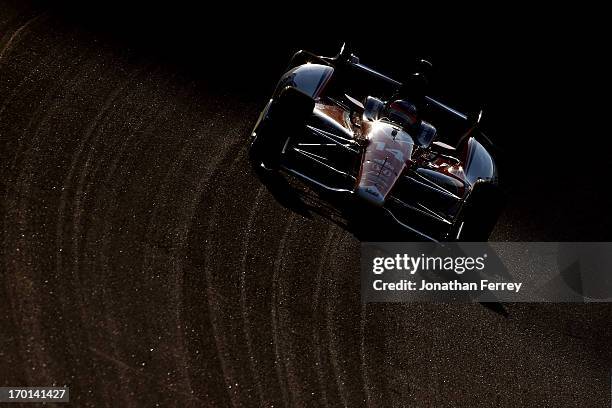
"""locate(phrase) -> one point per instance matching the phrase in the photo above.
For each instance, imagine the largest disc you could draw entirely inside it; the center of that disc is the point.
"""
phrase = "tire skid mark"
(332, 345)
(14, 37)
(51, 55)
(43, 111)
(81, 189)
(90, 138)
(315, 306)
(212, 296)
(160, 110)
(127, 367)
(101, 258)
(302, 374)
(363, 355)
(74, 289)
(18, 207)
(167, 180)
(76, 212)
(230, 170)
(243, 302)
(115, 174)
(279, 263)
(176, 251)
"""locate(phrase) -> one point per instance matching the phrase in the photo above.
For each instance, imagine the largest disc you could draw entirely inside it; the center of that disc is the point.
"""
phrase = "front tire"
(282, 118)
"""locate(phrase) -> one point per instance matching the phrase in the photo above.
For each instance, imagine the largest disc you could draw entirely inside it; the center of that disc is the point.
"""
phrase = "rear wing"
(397, 85)
(352, 62)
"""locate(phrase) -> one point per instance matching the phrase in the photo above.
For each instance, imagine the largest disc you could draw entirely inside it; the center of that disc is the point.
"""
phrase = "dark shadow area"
(533, 90)
(283, 192)
(496, 307)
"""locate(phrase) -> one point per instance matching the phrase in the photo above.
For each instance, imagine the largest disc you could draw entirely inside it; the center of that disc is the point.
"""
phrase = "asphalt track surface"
(143, 263)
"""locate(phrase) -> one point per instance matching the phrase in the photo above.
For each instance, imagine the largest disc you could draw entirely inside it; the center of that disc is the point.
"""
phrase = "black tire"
(285, 116)
(478, 215)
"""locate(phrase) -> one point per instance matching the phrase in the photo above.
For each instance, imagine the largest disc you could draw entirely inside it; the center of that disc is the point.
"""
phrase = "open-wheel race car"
(344, 127)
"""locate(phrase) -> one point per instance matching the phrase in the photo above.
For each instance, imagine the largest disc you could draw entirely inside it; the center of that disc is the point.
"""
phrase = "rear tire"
(284, 117)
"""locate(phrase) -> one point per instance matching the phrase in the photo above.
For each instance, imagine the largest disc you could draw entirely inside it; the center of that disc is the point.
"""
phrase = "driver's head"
(403, 112)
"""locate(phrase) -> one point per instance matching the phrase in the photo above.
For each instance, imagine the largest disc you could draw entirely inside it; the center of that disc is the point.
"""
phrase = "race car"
(346, 128)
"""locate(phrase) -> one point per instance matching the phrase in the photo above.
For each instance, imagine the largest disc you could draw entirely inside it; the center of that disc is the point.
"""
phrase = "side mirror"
(344, 52)
(346, 55)
(425, 68)
(474, 118)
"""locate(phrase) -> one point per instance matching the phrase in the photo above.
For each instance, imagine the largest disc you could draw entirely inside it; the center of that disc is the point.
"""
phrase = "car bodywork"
(424, 175)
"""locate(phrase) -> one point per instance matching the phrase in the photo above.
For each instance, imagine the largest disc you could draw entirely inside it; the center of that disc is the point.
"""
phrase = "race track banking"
(143, 263)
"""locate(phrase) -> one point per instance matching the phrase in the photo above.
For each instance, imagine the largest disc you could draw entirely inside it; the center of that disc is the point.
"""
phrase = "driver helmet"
(403, 112)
